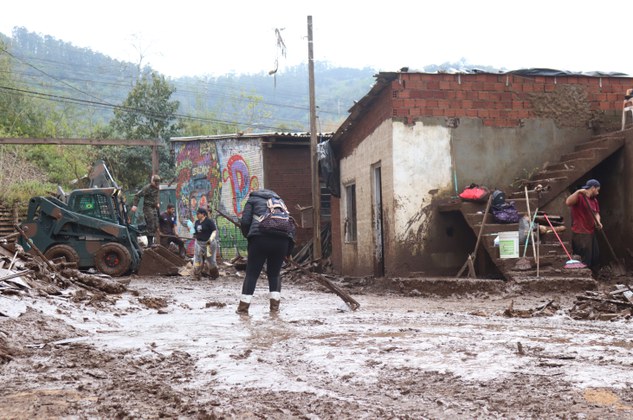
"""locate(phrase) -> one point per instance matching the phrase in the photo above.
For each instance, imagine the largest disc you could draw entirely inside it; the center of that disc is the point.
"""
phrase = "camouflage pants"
(151, 221)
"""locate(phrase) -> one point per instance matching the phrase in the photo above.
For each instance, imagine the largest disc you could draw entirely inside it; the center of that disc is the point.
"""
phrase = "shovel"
(616, 265)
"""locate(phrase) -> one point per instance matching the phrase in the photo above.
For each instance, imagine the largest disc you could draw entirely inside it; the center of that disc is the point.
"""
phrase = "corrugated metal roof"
(239, 136)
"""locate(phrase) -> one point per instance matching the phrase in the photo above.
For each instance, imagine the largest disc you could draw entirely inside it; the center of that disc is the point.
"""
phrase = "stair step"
(548, 181)
(569, 164)
(555, 173)
(606, 142)
(497, 227)
(583, 154)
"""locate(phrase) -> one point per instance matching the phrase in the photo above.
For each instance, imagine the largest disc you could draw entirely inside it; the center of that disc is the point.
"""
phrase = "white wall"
(421, 164)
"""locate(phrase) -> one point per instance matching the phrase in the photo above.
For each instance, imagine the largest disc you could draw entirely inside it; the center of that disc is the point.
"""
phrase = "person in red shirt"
(585, 219)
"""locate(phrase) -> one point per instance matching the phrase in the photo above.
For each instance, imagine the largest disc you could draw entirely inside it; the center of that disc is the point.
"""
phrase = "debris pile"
(605, 306)
(23, 273)
(547, 309)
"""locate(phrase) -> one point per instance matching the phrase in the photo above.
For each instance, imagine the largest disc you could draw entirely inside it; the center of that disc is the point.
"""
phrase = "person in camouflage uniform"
(151, 206)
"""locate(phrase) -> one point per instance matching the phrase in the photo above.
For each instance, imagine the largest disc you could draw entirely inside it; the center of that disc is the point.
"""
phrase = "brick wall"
(287, 171)
(504, 100)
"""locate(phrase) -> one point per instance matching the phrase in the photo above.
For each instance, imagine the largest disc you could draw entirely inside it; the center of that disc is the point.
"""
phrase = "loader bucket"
(159, 261)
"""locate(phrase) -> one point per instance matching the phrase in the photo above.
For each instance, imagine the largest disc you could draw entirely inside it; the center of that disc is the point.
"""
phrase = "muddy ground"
(175, 348)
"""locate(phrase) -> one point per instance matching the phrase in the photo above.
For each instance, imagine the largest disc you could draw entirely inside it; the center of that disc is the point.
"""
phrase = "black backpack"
(498, 199)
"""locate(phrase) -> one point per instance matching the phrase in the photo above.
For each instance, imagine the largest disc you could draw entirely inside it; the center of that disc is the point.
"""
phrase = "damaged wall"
(422, 162)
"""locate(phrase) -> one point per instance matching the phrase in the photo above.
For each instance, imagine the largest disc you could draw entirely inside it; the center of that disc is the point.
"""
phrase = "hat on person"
(591, 183)
(202, 211)
(155, 178)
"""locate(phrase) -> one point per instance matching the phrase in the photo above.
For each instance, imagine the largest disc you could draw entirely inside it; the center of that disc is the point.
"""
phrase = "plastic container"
(509, 244)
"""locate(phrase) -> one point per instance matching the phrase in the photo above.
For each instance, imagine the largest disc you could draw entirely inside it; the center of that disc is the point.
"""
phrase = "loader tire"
(113, 259)
(62, 251)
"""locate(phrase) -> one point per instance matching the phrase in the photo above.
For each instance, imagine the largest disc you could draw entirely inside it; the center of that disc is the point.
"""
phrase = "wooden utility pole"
(314, 160)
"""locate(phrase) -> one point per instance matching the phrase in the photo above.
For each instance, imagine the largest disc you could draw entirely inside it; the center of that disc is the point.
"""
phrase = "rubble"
(592, 305)
(23, 273)
(604, 306)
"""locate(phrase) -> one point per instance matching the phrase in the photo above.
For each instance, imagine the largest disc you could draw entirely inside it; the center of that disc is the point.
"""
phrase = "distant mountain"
(58, 71)
(73, 75)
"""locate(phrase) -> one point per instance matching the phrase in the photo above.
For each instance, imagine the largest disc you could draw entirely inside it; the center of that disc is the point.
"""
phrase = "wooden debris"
(547, 309)
(608, 306)
(41, 275)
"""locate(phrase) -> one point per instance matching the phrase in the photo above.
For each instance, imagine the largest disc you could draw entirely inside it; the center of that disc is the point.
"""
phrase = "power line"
(151, 115)
(179, 91)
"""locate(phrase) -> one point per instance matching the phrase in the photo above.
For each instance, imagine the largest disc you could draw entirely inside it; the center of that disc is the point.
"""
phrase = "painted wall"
(217, 174)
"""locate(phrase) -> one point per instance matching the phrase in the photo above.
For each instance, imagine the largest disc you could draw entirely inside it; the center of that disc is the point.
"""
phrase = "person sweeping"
(583, 223)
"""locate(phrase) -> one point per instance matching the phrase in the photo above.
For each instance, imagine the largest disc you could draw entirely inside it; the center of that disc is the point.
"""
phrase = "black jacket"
(256, 205)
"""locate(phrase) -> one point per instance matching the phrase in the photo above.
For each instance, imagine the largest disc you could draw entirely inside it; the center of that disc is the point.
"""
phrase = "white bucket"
(509, 244)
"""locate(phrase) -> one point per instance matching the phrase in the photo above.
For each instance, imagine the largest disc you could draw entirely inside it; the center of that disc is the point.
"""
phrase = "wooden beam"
(91, 142)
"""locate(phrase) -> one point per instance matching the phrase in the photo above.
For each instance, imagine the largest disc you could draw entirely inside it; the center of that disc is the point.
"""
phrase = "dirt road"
(174, 348)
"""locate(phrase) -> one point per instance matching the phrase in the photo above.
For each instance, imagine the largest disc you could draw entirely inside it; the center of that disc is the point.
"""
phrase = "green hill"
(57, 71)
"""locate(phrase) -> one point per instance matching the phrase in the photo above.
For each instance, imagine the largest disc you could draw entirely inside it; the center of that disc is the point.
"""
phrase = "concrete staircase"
(554, 179)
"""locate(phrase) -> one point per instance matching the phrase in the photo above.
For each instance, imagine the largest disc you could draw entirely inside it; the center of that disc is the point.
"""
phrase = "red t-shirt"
(581, 217)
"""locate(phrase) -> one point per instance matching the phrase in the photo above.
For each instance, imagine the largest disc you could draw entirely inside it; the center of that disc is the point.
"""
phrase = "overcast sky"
(189, 37)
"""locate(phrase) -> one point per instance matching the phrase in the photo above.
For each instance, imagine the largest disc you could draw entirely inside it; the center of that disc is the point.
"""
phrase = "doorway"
(379, 242)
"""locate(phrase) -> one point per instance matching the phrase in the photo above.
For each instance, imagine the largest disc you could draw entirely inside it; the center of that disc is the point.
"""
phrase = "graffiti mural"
(241, 181)
(216, 174)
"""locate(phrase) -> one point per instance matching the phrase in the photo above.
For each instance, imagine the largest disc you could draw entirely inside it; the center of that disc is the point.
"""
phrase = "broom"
(524, 264)
(571, 263)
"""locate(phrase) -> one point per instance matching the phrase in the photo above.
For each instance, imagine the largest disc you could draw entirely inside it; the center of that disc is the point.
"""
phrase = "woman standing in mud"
(265, 245)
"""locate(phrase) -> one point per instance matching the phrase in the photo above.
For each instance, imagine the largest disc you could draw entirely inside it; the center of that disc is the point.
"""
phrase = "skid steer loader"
(91, 228)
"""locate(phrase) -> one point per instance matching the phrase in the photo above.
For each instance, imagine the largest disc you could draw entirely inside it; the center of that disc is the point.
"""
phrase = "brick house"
(417, 139)
(220, 171)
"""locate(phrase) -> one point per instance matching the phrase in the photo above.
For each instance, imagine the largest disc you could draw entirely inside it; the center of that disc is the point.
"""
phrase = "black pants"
(265, 249)
(586, 245)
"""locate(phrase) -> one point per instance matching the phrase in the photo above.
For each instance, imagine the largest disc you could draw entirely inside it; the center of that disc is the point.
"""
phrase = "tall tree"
(147, 113)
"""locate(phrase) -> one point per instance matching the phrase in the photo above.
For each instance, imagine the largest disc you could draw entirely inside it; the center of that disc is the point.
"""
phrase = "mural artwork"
(216, 174)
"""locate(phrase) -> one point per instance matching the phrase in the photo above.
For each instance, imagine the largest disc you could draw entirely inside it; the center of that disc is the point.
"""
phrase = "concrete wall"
(497, 156)
(358, 257)
(422, 162)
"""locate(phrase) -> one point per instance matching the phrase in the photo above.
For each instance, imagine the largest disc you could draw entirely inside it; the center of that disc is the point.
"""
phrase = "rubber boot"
(274, 305)
(242, 308)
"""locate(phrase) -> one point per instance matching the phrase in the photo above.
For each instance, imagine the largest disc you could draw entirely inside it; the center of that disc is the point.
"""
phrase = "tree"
(34, 170)
(147, 113)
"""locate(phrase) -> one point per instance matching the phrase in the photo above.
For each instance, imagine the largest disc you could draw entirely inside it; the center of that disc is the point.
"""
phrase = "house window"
(350, 215)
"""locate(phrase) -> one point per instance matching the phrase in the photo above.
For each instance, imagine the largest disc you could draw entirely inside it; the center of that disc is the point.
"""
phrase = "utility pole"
(314, 161)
